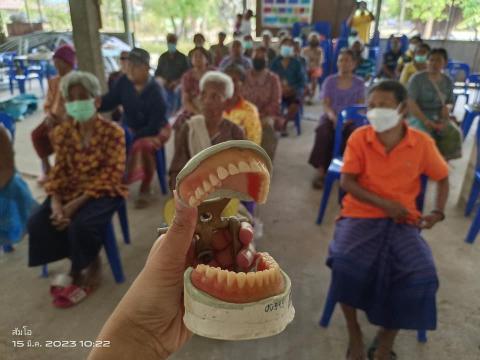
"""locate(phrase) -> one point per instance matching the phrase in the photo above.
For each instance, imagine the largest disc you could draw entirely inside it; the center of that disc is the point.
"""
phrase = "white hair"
(267, 33)
(217, 77)
(86, 79)
(313, 34)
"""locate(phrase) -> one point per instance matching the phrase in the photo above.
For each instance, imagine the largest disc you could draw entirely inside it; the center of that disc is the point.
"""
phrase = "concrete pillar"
(85, 17)
(126, 23)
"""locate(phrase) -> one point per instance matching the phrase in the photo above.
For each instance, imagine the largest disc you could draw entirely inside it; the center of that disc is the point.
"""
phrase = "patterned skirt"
(16, 205)
(385, 269)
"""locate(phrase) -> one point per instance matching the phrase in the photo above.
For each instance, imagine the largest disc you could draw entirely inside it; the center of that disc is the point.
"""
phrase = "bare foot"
(356, 347)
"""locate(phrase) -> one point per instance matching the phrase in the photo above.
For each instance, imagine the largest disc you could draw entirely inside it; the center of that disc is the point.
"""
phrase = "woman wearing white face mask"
(84, 189)
(380, 263)
(292, 78)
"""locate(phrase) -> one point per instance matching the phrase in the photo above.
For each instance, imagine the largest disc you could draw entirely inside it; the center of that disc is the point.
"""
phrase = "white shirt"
(246, 27)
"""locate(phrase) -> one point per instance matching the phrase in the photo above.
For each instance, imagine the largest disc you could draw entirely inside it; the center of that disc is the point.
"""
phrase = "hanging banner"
(284, 13)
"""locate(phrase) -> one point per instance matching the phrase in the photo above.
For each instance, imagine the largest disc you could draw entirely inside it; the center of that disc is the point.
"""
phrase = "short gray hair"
(86, 79)
(218, 77)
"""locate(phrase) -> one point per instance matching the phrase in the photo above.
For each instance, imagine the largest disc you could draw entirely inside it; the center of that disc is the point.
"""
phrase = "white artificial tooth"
(230, 278)
(201, 268)
(243, 167)
(222, 173)
(221, 276)
(241, 279)
(210, 272)
(254, 166)
(206, 186)
(232, 169)
(199, 193)
(251, 279)
(214, 180)
(192, 201)
(266, 277)
(259, 278)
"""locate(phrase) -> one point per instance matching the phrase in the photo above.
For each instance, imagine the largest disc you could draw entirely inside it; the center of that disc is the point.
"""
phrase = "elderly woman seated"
(338, 92)
(240, 111)
(208, 128)
(144, 117)
(291, 74)
(191, 89)
(262, 87)
(431, 101)
(16, 202)
(84, 189)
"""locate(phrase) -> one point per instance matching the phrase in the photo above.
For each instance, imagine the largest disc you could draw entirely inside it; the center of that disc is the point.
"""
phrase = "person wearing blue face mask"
(172, 64)
(418, 64)
(248, 46)
(292, 77)
(84, 188)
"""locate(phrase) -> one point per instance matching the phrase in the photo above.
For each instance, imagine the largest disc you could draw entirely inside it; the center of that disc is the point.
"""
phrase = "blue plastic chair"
(110, 244)
(471, 113)
(473, 197)
(344, 30)
(297, 120)
(352, 113)
(160, 161)
(323, 28)
(9, 123)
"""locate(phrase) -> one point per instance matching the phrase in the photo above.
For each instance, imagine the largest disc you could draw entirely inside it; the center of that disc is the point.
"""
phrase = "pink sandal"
(70, 296)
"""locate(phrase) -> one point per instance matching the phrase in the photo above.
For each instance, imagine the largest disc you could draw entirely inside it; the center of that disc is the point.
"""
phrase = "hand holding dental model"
(150, 321)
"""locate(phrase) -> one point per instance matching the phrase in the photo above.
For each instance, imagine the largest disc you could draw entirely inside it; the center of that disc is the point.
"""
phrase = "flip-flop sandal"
(58, 283)
(373, 347)
(70, 296)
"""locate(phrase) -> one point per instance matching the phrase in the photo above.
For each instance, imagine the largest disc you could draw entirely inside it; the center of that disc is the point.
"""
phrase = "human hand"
(57, 216)
(428, 221)
(148, 322)
(395, 210)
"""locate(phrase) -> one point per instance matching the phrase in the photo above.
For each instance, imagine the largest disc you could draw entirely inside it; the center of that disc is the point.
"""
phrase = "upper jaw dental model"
(219, 303)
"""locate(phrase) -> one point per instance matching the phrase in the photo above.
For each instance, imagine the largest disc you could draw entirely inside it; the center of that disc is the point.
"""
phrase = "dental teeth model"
(224, 304)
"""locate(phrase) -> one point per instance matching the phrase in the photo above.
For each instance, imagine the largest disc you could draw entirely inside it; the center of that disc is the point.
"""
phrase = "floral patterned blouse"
(95, 170)
(245, 115)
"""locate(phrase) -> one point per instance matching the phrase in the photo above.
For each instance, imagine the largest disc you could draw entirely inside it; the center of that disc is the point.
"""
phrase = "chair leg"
(329, 180)
(44, 273)
(112, 254)
(298, 121)
(7, 248)
(21, 85)
(162, 169)
(467, 123)
(328, 310)
(474, 229)
(122, 216)
(422, 336)
(472, 199)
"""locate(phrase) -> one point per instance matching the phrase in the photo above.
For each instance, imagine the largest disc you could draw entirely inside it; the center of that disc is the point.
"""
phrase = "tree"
(428, 11)
(471, 15)
(3, 36)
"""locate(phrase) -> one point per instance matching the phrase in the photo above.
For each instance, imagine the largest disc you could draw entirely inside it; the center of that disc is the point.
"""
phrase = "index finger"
(245, 233)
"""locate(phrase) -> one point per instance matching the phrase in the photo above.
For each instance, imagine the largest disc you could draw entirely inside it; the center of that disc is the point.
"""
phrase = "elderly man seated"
(292, 77)
(208, 128)
(236, 57)
(84, 189)
(144, 117)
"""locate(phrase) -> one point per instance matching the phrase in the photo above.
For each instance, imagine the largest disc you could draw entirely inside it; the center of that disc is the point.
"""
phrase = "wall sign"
(284, 13)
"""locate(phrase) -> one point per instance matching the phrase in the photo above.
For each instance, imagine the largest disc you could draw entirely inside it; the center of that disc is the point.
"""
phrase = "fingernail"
(179, 203)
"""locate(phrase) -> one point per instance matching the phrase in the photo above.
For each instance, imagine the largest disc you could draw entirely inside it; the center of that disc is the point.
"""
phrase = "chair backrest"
(323, 28)
(297, 29)
(8, 122)
(455, 68)
(356, 114)
(474, 80)
(344, 30)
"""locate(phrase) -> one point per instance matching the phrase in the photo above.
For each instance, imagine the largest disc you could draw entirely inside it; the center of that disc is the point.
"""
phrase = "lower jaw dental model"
(219, 303)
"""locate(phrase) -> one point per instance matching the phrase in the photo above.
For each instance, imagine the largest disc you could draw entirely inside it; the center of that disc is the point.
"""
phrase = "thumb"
(170, 250)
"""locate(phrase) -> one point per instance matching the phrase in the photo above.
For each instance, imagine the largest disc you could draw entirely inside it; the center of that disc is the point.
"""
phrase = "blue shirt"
(365, 69)
(293, 74)
(144, 113)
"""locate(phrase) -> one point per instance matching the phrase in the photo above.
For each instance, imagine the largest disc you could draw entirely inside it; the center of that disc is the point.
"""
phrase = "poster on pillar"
(284, 13)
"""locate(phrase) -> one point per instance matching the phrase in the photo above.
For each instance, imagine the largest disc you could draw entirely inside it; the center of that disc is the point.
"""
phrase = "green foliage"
(471, 13)
(424, 10)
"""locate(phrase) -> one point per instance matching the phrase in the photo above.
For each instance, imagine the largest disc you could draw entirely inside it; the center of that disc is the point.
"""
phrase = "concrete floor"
(298, 245)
